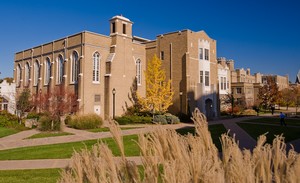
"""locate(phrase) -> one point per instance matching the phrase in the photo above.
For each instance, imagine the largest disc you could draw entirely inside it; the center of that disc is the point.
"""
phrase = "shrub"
(88, 121)
(46, 123)
(123, 120)
(68, 119)
(33, 115)
(161, 119)
(249, 112)
(171, 119)
(10, 121)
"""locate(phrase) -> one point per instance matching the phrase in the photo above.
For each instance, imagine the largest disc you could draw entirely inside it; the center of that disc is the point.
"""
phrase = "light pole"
(114, 100)
(180, 95)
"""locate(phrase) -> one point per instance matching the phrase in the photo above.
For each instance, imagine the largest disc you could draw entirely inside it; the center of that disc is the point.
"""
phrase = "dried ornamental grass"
(169, 157)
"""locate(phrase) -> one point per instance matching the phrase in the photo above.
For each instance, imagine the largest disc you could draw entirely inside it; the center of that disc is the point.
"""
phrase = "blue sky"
(263, 35)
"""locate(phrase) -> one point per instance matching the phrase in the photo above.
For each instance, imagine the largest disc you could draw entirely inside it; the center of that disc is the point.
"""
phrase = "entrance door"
(209, 108)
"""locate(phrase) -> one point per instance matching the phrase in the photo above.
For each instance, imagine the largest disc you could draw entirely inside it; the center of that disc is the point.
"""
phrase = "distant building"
(281, 81)
(7, 97)
(224, 78)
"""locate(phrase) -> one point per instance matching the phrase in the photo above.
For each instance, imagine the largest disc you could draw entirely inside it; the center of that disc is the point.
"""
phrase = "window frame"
(138, 64)
(60, 69)
(206, 78)
(37, 72)
(47, 71)
(96, 67)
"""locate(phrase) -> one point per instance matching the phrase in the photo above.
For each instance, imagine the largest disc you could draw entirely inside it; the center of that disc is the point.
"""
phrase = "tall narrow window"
(47, 71)
(124, 28)
(27, 73)
(96, 67)
(206, 54)
(19, 75)
(222, 82)
(206, 78)
(60, 69)
(75, 67)
(201, 76)
(113, 27)
(162, 55)
(36, 72)
(201, 53)
(138, 72)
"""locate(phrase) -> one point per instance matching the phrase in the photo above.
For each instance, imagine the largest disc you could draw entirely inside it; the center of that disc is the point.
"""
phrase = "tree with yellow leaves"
(158, 91)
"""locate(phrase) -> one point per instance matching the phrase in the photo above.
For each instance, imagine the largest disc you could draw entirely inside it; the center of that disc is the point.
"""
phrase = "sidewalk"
(17, 140)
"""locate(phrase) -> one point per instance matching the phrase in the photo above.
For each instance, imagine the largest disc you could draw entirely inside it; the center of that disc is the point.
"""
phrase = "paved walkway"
(17, 140)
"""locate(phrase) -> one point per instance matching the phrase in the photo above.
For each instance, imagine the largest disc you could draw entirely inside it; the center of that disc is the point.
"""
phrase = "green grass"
(215, 130)
(7, 131)
(49, 134)
(106, 129)
(255, 130)
(65, 150)
(30, 176)
(271, 120)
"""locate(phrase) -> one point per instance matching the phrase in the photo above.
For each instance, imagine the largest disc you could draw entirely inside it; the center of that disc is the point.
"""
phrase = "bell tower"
(120, 25)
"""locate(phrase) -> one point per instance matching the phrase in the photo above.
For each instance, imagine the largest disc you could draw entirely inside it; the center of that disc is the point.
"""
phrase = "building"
(100, 70)
(7, 97)
(189, 59)
(104, 70)
(298, 78)
(224, 78)
(281, 81)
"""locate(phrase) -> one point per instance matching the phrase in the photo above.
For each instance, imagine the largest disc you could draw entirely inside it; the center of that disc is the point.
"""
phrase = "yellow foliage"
(158, 91)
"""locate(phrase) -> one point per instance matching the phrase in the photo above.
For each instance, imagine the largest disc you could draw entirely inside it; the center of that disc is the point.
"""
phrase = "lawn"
(30, 176)
(49, 134)
(7, 131)
(215, 130)
(65, 150)
(106, 129)
(255, 130)
(272, 120)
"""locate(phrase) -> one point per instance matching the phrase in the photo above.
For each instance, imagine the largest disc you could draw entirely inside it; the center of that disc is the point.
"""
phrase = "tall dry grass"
(169, 157)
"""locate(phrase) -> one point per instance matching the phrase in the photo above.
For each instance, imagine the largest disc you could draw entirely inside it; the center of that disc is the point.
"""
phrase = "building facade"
(100, 70)
(189, 59)
(7, 97)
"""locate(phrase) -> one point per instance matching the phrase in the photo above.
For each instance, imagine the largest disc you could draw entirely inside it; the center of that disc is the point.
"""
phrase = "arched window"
(19, 74)
(27, 73)
(37, 72)
(60, 69)
(96, 67)
(138, 72)
(47, 71)
(75, 67)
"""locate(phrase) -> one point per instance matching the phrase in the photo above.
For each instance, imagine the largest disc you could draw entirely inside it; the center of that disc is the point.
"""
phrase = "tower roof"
(298, 77)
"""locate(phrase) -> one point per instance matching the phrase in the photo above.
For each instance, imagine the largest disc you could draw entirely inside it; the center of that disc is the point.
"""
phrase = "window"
(138, 72)
(239, 90)
(60, 69)
(222, 82)
(97, 98)
(206, 54)
(27, 73)
(96, 67)
(201, 76)
(37, 72)
(206, 78)
(201, 53)
(227, 84)
(75, 67)
(47, 71)
(162, 55)
(124, 28)
(113, 25)
(19, 75)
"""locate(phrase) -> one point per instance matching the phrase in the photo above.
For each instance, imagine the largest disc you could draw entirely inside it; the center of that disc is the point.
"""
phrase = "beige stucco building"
(94, 66)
